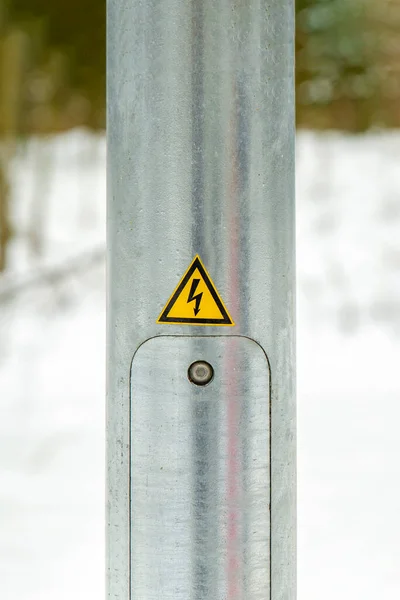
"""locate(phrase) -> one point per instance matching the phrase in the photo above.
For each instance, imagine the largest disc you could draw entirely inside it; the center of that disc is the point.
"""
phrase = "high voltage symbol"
(195, 300)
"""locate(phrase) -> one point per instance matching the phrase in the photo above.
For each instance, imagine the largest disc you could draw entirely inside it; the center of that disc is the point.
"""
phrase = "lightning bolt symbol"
(193, 298)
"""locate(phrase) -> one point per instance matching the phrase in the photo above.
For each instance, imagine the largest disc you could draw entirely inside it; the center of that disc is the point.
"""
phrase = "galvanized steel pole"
(201, 395)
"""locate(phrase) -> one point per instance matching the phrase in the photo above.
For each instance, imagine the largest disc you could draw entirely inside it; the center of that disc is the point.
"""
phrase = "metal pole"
(201, 397)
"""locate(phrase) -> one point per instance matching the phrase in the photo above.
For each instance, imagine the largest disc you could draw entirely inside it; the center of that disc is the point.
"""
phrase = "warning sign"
(195, 301)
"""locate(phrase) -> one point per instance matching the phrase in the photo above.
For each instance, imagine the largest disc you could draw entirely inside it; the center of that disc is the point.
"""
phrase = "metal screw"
(200, 372)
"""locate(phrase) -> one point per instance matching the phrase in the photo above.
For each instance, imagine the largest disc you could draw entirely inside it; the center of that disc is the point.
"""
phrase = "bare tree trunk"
(5, 230)
(12, 60)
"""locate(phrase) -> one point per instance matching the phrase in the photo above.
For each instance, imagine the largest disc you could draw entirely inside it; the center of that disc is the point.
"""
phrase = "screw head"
(200, 372)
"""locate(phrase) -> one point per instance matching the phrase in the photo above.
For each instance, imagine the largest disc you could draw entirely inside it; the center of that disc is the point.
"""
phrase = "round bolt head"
(200, 372)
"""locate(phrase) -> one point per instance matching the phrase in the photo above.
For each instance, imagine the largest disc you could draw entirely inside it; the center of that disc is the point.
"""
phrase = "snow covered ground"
(348, 357)
(52, 371)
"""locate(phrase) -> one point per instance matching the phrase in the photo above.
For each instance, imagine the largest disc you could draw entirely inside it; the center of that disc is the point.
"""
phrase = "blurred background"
(52, 248)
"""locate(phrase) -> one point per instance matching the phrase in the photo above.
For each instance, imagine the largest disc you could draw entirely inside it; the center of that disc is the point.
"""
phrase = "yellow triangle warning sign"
(195, 300)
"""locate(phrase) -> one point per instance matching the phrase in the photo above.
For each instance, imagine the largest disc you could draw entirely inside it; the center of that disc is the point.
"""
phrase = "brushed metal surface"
(200, 471)
(201, 161)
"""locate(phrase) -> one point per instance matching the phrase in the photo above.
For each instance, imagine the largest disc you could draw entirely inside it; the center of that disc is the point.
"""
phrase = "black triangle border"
(164, 318)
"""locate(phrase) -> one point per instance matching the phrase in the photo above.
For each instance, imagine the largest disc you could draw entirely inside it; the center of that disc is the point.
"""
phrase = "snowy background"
(52, 359)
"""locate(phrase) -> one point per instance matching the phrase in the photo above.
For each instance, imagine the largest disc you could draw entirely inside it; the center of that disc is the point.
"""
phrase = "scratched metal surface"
(201, 161)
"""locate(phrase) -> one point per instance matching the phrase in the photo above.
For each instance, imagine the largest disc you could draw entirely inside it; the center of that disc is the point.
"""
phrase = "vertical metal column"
(201, 478)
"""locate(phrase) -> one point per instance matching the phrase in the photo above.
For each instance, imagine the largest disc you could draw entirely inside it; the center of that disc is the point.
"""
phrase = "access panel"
(200, 469)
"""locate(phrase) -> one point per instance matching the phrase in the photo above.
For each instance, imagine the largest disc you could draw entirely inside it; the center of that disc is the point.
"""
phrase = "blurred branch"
(79, 265)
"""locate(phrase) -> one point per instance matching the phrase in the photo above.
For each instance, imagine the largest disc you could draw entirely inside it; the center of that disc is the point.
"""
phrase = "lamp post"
(201, 394)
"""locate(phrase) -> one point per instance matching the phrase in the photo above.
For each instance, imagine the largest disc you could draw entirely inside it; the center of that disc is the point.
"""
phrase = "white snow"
(52, 371)
(348, 365)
